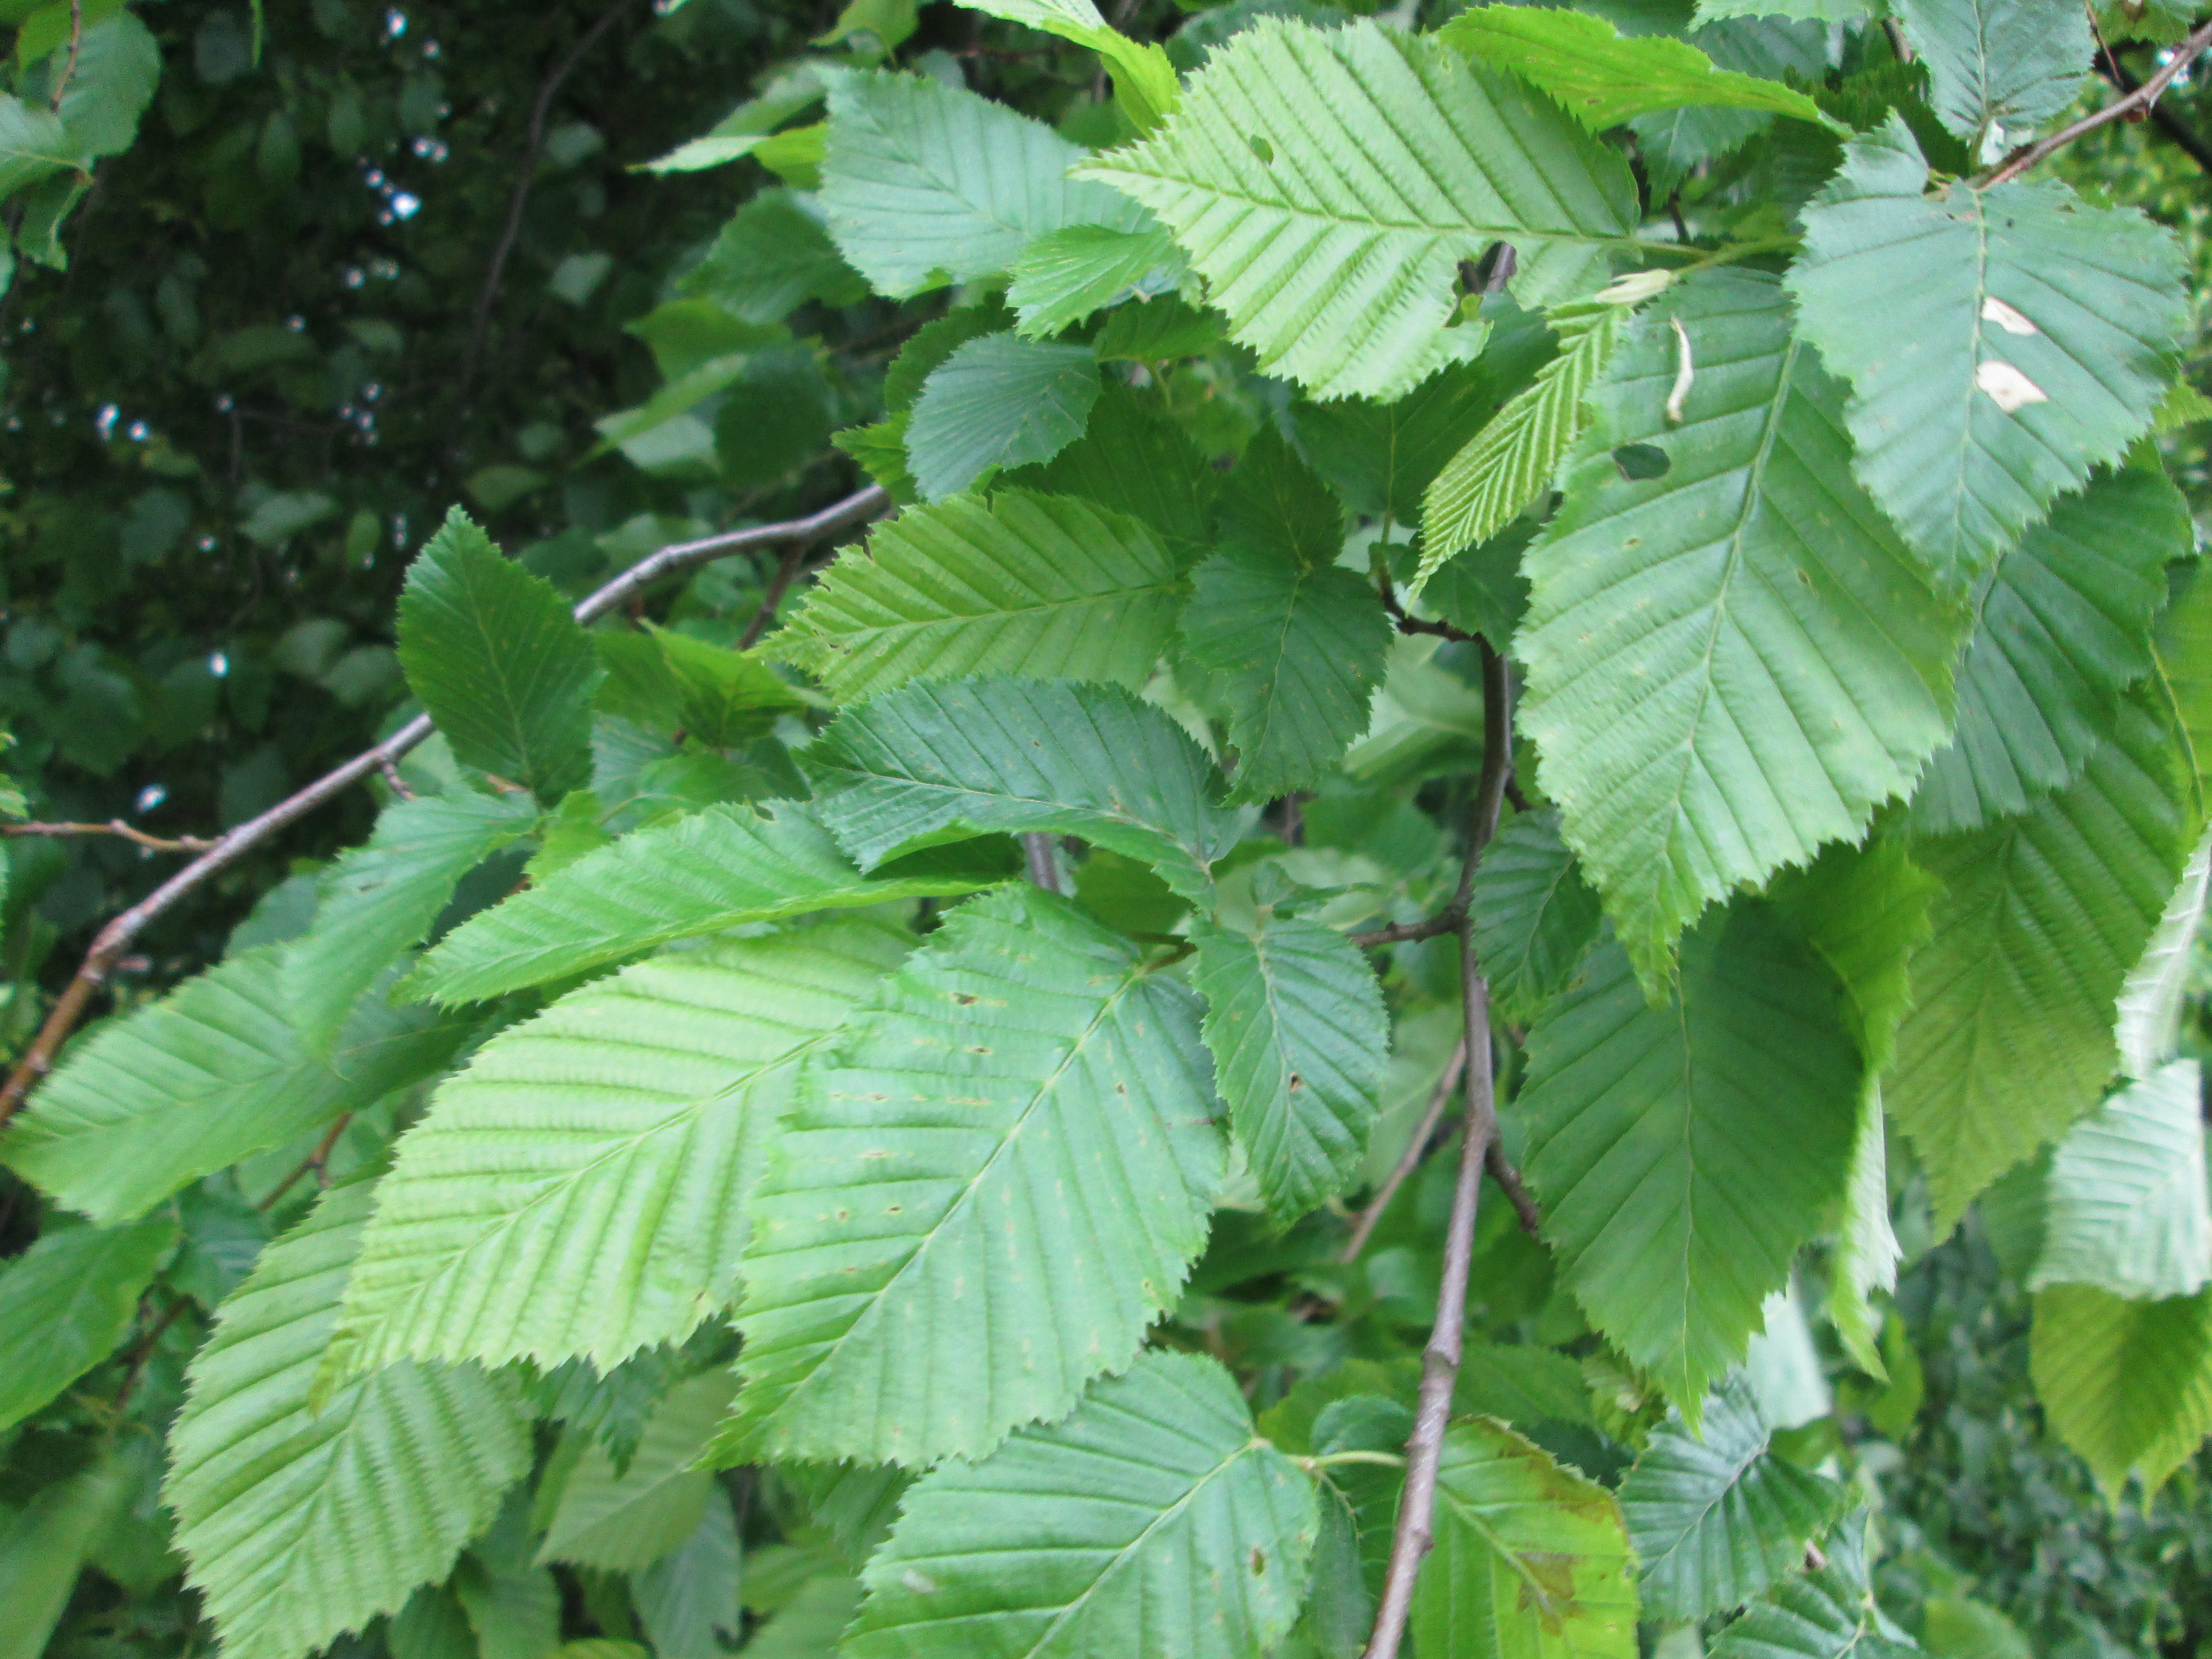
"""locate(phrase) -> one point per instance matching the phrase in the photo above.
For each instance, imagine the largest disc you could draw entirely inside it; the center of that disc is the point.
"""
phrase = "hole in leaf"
(1263, 149)
(1641, 461)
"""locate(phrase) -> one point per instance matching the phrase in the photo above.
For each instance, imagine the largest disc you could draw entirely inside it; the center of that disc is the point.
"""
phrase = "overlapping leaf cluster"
(934, 1059)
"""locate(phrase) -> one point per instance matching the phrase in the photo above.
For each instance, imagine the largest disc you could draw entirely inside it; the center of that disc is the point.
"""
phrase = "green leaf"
(1534, 916)
(1300, 1041)
(812, 1624)
(66, 1302)
(2011, 1036)
(689, 1602)
(1683, 1153)
(1299, 642)
(1530, 1558)
(2183, 650)
(1520, 1384)
(717, 869)
(1143, 80)
(33, 144)
(1135, 458)
(1825, 1613)
(925, 182)
(501, 665)
(724, 698)
(2063, 628)
(2023, 338)
(583, 1187)
(115, 65)
(379, 899)
(1326, 184)
(1506, 467)
(1046, 586)
(1735, 661)
(300, 1525)
(929, 764)
(1152, 1521)
(214, 1072)
(2128, 1384)
(1065, 275)
(1717, 1518)
(772, 257)
(1023, 1117)
(45, 1544)
(624, 1523)
(2015, 62)
(2125, 1207)
(1602, 78)
(2151, 1003)
(998, 401)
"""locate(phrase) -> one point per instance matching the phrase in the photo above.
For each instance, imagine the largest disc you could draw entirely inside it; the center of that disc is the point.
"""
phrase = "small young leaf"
(1065, 275)
(503, 667)
(1534, 916)
(998, 401)
(625, 1522)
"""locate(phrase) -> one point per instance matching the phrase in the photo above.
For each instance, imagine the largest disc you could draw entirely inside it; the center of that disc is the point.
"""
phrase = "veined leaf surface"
(2126, 1207)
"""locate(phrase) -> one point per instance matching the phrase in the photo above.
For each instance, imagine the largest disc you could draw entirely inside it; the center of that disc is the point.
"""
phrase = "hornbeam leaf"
(1508, 464)
(1143, 80)
(1133, 458)
(583, 1187)
(1065, 275)
(715, 870)
(1299, 642)
(214, 1072)
(498, 661)
(2063, 627)
(1534, 916)
(1152, 1521)
(2150, 1026)
(1530, 1558)
(66, 1302)
(1683, 1153)
(2013, 62)
(2024, 337)
(926, 182)
(2128, 1384)
(1300, 1042)
(1046, 586)
(625, 1521)
(928, 763)
(1602, 78)
(381, 898)
(300, 1525)
(2010, 1036)
(2125, 1207)
(1827, 1612)
(998, 401)
(2184, 651)
(1735, 661)
(989, 1187)
(1326, 184)
(1717, 1518)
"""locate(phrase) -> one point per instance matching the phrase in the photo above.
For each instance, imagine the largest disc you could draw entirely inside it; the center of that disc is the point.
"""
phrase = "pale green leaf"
(515, 1612)
(214, 1072)
(2148, 1029)
(1507, 466)
(811, 1627)
(1045, 586)
(625, 1522)
(1531, 1558)
(1326, 184)
(66, 1302)
(500, 664)
(1825, 1613)
(1298, 642)
(2183, 652)
(2011, 1036)
(1958, 1627)
(44, 1545)
(2128, 1384)
(2063, 626)
(1300, 1042)
(1999, 343)
(381, 898)
(2126, 1207)
(1152, 1521)
(1601, 77)
(1143, 80)
(33, 144)
(999, 401)
(300, 1525)
(925, 182)
(716, 869)
(1736, 661)
(1065, 275)
(1534, 916)
(1717, 1518)
(1023, 1118)
(583, 1187)
(689, 1600)
(928, 763)
(2015, 62)
(1683, 1153)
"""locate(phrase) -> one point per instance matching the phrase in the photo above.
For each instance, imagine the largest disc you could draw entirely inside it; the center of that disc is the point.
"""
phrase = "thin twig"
(1037, 852)
(396, 784)
(2143, 97)
(134, 1363)
(112, 827)
(76, 40)
(2163, 118)
(1417, 1505)
(534, 150)
(786, 571)
(1408, 623)
(113, 939)
(315, 1160)
(1401, 932)
(1515, 1189)
(1409, 1160)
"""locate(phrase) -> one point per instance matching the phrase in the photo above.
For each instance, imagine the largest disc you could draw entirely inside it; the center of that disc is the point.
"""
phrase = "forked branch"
(2142, 98)
(114, 939)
